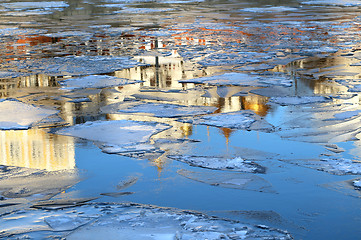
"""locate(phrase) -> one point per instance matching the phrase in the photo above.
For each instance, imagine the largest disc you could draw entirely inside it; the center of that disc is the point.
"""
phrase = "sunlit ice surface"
(247, 111)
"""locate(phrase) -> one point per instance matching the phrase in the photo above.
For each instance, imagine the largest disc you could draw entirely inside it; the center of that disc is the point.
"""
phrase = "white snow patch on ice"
(346, 115)
(19, 115)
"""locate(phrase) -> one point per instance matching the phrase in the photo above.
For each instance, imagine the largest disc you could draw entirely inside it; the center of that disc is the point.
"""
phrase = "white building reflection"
(34, 148)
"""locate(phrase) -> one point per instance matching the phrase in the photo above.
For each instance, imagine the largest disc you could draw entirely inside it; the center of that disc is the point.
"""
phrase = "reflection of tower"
(35, 148)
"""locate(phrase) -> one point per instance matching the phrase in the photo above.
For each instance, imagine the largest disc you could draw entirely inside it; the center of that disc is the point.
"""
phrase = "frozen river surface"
(180, 119)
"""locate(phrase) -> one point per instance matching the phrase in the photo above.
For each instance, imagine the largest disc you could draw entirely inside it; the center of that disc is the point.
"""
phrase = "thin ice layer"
(157, 109)
(220, 163)
(243, 181)
(129, 221)
(19, 115)
(121, 132)
(95, 81)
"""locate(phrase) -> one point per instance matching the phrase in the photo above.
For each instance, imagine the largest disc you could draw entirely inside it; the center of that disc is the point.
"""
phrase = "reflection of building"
(35, 148)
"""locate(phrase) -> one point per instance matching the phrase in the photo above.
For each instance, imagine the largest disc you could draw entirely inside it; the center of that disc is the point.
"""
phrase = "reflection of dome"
(35, 148)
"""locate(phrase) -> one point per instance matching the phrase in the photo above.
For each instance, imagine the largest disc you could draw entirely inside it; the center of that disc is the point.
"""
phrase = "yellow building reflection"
(34, 148)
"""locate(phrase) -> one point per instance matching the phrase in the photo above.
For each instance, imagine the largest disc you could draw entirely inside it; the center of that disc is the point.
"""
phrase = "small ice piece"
(220, 163)
(95, 81)
(243, 181)
(157, 109)
(246, 120)
(121, 132)
(18, 115)
(357, 183)
(127, 183)
(297, 100)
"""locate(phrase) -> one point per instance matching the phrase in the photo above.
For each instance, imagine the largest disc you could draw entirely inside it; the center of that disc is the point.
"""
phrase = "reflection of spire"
(257, 104)
(35, 148)
(227, 133)
(159, 163)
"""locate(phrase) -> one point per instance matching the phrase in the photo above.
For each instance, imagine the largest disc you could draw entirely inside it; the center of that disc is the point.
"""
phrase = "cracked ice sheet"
(95, 81)
(18, 115)
(157, 109)
(134, 135)
(220, 163)
(336, 166)
(129, 221)
(246, 120)
(74, 65)
(243, 181)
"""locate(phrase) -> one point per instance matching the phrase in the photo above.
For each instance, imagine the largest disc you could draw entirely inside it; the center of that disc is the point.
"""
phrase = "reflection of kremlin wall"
(35, 148)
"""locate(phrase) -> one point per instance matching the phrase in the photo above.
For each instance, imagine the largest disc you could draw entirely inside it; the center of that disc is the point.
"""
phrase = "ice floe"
(337, 166)
(74, 65)
(118, 135)
(243, 181)
(298, 100)
(33, 5)
(349, 3)
(18, 115)
(246, 120)
(157, 109)
(243, 79)
(270, 9)
(95, 81)
(119, 221)
(220, 163)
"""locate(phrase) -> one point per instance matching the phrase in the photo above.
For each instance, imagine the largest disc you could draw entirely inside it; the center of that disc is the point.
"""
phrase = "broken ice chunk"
(246, 120)
(244, 181)
(346, 115)
(219, 163)
(297, 100)
(120, 132)
(95, 81)
(157, 109)
(357, 184)
(18, 115)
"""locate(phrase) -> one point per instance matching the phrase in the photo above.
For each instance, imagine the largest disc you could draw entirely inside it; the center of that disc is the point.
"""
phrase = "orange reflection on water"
(37, 149)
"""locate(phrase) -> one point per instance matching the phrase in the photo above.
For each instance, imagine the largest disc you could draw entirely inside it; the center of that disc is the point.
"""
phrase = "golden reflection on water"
(34, 148)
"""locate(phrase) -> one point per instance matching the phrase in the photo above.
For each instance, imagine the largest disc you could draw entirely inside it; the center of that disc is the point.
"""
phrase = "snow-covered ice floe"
(337, 166)
(129, 221)
(346, 3)
(157, 109)
(18, 115)
(95, 81)
(235, 180)
(246, 120)
(117, 136)
(220, 163)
